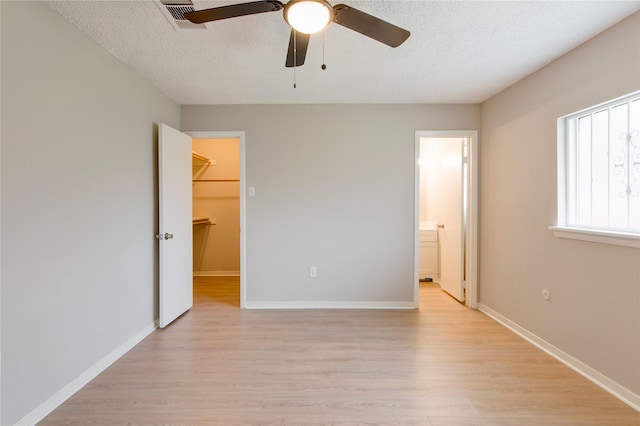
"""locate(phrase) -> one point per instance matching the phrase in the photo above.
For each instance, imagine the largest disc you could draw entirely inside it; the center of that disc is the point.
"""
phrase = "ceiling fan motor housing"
(308, 16)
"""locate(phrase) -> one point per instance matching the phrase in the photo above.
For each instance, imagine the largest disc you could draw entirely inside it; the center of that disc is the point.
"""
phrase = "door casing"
(243, 200)
(471, 237)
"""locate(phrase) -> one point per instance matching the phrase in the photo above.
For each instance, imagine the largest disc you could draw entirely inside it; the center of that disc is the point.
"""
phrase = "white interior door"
(175, 223)
(450, 216)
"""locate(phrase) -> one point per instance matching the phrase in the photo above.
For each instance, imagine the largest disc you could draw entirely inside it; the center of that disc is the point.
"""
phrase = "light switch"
(252, 191)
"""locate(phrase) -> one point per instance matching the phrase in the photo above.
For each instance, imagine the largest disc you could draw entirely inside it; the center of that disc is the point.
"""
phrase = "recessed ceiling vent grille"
(174, 11)
(178, 11)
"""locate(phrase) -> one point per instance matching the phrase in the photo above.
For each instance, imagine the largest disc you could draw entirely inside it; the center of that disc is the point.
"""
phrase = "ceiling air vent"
(178, 11)
(174, 11)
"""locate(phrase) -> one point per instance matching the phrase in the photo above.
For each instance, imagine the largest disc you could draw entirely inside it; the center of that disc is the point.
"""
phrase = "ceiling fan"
(306, 17)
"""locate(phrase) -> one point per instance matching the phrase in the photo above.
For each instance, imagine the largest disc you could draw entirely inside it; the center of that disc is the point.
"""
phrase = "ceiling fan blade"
(370, 26)
(232, 11)
(297, 50)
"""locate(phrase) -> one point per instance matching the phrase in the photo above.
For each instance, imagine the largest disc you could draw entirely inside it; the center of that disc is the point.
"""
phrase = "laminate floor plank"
(442, 365)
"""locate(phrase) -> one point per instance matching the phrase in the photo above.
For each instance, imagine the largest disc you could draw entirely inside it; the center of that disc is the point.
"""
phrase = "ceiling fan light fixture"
(308, 16)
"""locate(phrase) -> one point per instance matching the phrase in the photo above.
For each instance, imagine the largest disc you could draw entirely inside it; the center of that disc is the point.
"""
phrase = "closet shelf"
(201, 221)
(199, 158)
(216, 180)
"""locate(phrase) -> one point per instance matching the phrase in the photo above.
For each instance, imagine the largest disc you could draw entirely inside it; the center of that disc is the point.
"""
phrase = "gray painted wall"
(594, 311)
(78, 204)
(334, 189)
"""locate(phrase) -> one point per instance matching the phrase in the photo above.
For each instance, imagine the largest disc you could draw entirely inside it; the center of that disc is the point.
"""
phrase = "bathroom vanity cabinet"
(428, 259)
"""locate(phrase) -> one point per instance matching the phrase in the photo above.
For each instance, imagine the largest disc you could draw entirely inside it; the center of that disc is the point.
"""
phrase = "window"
(599, 169)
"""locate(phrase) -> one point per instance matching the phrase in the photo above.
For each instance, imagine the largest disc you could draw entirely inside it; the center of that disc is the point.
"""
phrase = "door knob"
(166, 236)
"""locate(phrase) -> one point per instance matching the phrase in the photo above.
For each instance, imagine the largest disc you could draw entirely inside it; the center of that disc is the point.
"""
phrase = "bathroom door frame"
(471, 235)
(243, 200)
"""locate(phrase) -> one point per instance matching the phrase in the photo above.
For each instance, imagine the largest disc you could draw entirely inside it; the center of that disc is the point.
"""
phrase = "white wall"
(594, 313)
(78, 204)
(334, 189)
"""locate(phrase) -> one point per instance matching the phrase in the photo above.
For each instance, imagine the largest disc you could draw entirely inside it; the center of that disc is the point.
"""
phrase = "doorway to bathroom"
(446, 212)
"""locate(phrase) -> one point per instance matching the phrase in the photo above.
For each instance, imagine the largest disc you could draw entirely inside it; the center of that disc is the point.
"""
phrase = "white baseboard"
(328, 305)
(41, 411)
(216, 273)
(615, 389)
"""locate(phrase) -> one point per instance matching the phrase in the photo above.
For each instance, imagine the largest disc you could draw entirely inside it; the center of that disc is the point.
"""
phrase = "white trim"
(471, 285)
(243, 220)
(416, 224)
(0, 234)
(561, 173)
(606, 237)
(44, 409)
(243, 202)
(567, 180)
(303, 304)
(216, 273)
(215, 134)
(615, 389)
(605, 104)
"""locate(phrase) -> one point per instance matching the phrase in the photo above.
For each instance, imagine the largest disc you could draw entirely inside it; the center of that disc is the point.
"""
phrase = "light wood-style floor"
(441, 365)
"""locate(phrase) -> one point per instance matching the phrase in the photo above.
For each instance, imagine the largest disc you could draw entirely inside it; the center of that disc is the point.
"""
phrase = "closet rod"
(216, 180)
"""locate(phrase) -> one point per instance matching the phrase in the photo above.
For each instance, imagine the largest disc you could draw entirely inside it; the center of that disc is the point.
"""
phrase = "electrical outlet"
(313, 272)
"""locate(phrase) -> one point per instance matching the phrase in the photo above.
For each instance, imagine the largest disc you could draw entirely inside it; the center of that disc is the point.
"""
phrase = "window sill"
(605, 237)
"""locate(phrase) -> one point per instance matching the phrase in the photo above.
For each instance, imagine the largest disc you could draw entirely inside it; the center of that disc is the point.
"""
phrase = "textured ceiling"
(458, 52)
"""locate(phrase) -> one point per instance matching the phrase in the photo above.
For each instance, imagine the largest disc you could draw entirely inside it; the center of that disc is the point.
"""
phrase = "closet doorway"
(219, 206)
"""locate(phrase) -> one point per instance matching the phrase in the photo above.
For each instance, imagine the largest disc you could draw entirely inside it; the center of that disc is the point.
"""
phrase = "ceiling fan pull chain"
(324, 67)
(295, 54)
